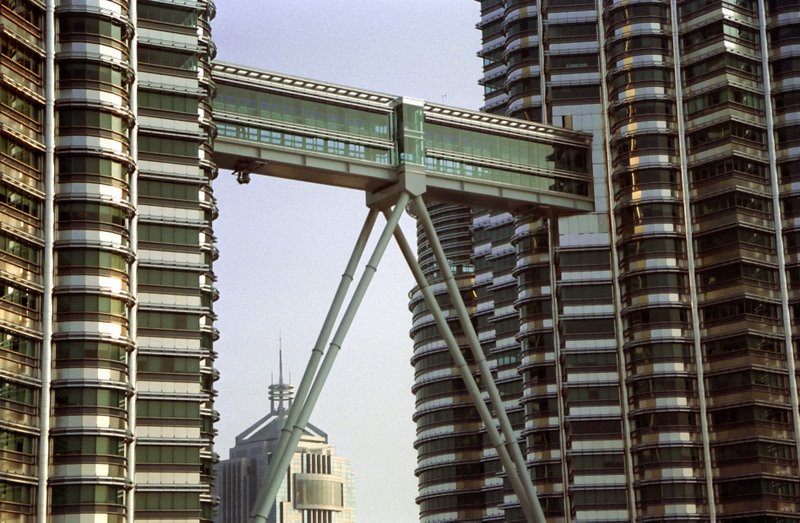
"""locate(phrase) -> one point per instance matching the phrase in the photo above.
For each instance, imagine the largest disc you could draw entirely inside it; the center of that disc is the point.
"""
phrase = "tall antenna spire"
(280, 394)
(280, 359)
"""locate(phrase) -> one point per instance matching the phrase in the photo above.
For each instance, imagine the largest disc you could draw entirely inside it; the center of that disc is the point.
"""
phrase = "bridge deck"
(280, 125)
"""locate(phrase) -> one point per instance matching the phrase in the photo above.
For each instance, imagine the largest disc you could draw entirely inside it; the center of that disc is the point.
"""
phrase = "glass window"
(20, 56)
(171, 59)
(585, 293)
(19, 200)
(785, 67)
(15, 493)
(738, 200)
(632, 44)
(168, 190)
(91, 167)
(169, 234)
(18, 295)
(84, 351)
(657, 455)
(84, 212)
(648, 317)
(19, 249)
(755, 488)
(25, 11)
(172, 501)
(736, 272)
(17, 393)
(167, 14)
(82, 73)
(311, 492)
(15, 442)
(664, 492)
(730, 62)
(161, 145)
(733, 310)
(727, 29)
(572, 31)
(724, 97)
(79, 121)
(599, 462)
(647, 352)
(662, 386)
(169, 278)
(693, 6)
(648, 212)
(293, 110)
(18, 343)
(588, 326)
(749, 450)
(599, 259)
(89, 397)
(665, 281)
(20, 152)
(73, 306)
(653, 247)
(744, 236)
(589, 359)
(641, 76)
(68, 495)
(168, 364)
(20, 104)
(169, 321)
(664, 421)
(749, 342)
(83, 258)
(592, 394)
(88, 445)
(159, 454)
(732, 166)
(747, 378)
(172, 102)
(83, 24)
(167, 409)
(749, 414)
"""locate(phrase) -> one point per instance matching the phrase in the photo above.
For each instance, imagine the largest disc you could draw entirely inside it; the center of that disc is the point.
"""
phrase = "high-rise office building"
(646, 352)
(106, 251)
(318, 485)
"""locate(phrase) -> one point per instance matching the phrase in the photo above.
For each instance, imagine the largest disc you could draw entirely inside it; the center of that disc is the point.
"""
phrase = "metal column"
(536, 513)
(269, 489)
(530, 506)
(48, 269)
(322, 339)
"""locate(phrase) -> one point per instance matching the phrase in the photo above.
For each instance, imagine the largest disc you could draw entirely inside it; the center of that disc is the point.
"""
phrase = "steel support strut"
(529, 506)
(533, 510)
(322, 339)
(269, 489)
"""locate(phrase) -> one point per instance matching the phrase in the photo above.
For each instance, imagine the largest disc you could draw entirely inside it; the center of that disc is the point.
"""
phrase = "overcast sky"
(285, 244)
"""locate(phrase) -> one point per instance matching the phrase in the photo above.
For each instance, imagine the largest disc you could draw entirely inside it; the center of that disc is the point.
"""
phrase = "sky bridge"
(289, 127)
(399, 151)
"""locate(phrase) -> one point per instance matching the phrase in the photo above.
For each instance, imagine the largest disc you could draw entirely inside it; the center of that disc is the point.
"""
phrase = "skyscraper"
(106, 251)
(646, 352)
(318, 485)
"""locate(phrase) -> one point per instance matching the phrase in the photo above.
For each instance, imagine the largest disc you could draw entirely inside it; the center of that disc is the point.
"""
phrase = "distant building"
(318, 486)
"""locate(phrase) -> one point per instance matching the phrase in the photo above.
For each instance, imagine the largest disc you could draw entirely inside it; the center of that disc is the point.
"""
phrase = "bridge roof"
(282, 125)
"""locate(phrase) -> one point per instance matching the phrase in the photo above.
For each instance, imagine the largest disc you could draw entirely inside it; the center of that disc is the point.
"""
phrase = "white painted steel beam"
(530, 506)
(269, 490)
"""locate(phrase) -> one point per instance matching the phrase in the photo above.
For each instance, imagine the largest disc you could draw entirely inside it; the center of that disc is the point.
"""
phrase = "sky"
(285, 244)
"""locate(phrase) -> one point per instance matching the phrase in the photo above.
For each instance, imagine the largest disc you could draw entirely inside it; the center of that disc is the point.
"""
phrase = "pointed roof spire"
(280, 394)
(280, 359)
